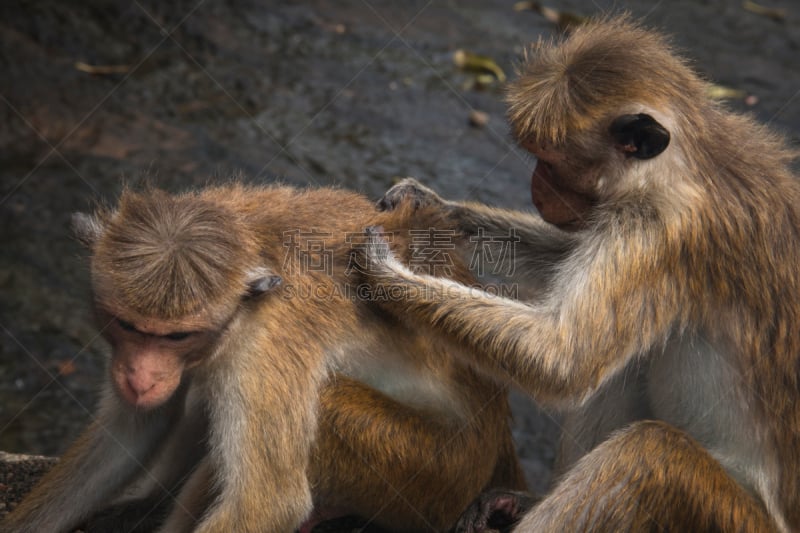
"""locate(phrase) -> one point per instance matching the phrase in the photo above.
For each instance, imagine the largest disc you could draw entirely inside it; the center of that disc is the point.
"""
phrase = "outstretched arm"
(595, 318)
(516, 245)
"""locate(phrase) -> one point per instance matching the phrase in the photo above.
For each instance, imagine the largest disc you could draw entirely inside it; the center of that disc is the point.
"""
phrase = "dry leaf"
(102, 69)
(476, 63)
(563, 19)
(770, 12)
(720, 92)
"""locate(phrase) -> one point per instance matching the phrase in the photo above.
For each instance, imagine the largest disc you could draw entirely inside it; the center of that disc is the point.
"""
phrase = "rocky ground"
(97, 94)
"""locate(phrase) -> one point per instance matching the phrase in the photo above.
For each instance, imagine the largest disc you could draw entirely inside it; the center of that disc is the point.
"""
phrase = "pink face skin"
(149, 358)
(555, 201)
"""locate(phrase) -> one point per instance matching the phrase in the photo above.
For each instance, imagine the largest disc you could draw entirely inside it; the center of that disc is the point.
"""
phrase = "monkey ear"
(261, 281)
(87, 228)
(639, 136)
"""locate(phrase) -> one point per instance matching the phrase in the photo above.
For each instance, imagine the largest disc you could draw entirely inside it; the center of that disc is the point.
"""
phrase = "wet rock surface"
(94, 95)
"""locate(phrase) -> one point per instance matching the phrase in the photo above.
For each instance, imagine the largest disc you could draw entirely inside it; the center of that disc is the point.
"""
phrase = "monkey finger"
(380, 262)
(377, 249)
(409, 191)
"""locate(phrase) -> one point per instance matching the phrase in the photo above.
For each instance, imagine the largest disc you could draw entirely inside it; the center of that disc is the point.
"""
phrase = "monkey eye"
(177, 336)
(127, 326)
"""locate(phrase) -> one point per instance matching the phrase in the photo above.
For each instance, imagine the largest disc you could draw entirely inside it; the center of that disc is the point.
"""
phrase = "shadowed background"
(95, 94)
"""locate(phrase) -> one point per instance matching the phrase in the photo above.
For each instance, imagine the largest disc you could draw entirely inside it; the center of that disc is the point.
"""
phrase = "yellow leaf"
(771, 12)
(477, 63)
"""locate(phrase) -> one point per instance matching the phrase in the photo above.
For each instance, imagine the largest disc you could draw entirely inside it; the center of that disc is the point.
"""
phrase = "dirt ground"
(95, 94)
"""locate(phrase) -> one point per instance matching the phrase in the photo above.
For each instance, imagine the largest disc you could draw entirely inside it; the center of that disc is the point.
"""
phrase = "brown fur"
(565, 89)
(661, 465)
(262, 368)
(166, 256)
(676, 298)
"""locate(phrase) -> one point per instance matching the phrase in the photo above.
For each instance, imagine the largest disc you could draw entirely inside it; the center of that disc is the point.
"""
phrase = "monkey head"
(167, 279)
(564, 190)
(594, 97)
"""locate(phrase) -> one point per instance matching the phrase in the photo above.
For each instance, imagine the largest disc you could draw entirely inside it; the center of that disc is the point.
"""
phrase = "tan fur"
(165, 256)
(267, 369)
(675, 299)
(635, 472)
(565, 89)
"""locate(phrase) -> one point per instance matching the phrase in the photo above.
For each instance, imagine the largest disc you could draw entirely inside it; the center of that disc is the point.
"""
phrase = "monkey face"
(556, 202)
(565, 189)
(562, 190)
(150, 356)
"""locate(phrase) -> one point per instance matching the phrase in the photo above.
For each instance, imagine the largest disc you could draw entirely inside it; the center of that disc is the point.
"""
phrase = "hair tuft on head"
(565, 87)
(171, 256)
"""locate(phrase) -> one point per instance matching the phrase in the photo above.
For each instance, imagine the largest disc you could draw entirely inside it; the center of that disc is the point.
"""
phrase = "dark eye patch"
(177, 336)
(127, 326)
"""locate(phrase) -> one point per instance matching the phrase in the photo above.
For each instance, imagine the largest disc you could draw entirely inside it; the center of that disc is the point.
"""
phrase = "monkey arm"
(259, 439)
(598, 315)
(531, 246)
(109, 453)
(193, 500)
(149, 500)
(180, 452)
(527, 246)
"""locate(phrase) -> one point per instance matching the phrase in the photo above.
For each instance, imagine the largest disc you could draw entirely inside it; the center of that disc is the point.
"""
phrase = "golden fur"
(676, 298)
(408, 446)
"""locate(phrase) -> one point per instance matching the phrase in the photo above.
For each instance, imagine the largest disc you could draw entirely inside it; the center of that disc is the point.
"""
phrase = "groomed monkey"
(669, 322)
(234, 334)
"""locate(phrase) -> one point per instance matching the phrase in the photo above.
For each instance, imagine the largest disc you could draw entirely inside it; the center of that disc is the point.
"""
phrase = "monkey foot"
(495, 509)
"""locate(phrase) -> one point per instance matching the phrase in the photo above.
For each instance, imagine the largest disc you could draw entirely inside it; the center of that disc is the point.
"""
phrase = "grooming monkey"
(233, 338)
(668, 324)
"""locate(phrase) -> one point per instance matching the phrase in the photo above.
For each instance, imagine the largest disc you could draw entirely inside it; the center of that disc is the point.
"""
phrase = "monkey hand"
(409, 191)
(375, 261)
(496, 509)
(373, 265)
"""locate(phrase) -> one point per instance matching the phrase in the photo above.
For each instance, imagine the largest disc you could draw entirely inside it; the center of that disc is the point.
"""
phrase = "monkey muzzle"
(556, 202)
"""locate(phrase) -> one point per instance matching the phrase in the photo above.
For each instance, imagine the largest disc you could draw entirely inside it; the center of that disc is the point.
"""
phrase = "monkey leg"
(400, 467)
(144, 515)
(138, 516)
(193, 500)
(648, 477)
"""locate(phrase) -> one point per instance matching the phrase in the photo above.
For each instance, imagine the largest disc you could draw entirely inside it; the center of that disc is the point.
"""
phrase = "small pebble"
(478, 119)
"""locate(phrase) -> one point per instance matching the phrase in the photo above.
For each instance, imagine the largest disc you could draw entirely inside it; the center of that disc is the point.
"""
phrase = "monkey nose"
(139, 383)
